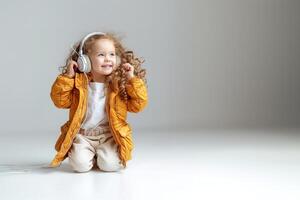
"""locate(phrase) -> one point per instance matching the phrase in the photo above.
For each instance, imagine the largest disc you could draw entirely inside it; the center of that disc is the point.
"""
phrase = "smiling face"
(103, 58)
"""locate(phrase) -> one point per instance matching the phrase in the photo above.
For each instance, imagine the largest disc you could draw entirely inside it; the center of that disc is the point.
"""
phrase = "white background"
(210, 64)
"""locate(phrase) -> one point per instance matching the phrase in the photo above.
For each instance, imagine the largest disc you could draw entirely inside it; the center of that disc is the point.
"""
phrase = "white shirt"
(95, 113)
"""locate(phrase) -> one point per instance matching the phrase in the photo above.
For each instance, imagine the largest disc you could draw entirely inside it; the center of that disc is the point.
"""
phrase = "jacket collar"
(81, 81)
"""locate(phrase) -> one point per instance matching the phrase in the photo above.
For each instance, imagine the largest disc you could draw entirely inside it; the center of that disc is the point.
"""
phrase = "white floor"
(260, 164)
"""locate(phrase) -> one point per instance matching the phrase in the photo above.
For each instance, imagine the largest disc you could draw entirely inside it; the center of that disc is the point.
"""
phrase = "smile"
(106, 66)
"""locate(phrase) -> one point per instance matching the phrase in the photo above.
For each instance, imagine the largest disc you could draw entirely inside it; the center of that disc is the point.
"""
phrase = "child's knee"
(109, 166)
(80, 163)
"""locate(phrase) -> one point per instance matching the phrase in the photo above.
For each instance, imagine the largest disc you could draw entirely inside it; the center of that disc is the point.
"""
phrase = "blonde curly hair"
(118, 74)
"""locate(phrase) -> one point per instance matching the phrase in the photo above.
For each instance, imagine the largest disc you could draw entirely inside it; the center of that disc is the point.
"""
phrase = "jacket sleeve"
(137, 92)
(61, 91)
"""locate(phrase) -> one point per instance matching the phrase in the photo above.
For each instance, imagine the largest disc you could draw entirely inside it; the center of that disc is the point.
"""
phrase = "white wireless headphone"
(84, 63)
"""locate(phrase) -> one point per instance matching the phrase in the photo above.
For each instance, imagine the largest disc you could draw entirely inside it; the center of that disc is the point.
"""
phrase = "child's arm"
(61, 91)
(137, 92)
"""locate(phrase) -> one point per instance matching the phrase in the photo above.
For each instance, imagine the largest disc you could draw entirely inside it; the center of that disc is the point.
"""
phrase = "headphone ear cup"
(84, 63)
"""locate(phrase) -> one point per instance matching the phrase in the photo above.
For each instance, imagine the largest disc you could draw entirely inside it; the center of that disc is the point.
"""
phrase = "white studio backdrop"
(210, 63)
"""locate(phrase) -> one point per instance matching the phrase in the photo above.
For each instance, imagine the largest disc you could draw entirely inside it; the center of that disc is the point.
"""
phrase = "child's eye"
(112, 54)
(100, 54)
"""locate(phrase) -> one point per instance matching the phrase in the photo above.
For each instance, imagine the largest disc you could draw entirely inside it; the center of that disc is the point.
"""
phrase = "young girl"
(99, 84)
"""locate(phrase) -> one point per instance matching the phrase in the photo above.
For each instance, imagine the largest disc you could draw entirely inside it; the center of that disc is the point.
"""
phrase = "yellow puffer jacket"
(72, 93)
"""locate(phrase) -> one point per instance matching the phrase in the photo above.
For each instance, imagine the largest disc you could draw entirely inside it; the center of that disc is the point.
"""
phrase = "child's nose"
(106, 57)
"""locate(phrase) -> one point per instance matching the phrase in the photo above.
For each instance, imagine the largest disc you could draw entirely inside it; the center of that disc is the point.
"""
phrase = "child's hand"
(129, 69)
(70, 68)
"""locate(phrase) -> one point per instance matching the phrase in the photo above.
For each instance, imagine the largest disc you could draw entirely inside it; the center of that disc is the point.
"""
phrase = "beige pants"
(89, 150)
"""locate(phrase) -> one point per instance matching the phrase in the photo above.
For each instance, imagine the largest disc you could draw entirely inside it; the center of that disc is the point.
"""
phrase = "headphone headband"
(86, 37)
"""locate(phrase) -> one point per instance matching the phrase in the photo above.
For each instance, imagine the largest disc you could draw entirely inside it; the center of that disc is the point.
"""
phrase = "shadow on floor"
(37, 168)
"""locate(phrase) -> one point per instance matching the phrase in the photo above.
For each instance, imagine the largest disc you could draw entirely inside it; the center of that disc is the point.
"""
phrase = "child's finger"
(126, 67)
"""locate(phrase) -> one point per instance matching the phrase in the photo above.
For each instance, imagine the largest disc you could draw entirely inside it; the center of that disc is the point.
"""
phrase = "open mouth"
(106, 66)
